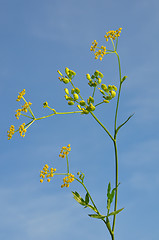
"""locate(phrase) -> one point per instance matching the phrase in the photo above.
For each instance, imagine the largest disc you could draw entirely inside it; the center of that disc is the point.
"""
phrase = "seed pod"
(113, 94)
(67, 71)
(66, 91)
(114, 87)
(77, 90)
(73, 90)
(82, 103)
(65, 80)
(66, 97)
(101, 75)
(79, 107)
(85, 111)
(96, 73)
(88, 76)
(104, 87)
(110, 87)
(75, 96)
(72, 72)
(91, 99)
(70, 103)
(106, 101)
(99, 80)
(59, 72)
(45, 104)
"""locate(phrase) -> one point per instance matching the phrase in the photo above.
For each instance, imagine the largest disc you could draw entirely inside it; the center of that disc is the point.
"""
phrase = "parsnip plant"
(74, 98)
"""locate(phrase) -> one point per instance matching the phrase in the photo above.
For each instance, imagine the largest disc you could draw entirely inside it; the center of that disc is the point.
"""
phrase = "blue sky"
(37, 39)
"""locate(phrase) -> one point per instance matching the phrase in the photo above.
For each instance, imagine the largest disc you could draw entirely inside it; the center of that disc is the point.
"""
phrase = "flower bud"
(88, 76)
(110, 87)
(77, 90)
(102, 92)
(92, 108)
(66, 91)
(70, 103)
(75, 96)
(82, 103)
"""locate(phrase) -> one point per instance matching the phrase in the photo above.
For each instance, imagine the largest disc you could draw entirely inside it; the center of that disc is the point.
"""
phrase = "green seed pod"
(59, 72)
(73, 90)
(106, 101)
(104, 87)
(123, 79)
(66, 91)
(92, 108)
(96, 73)
(99, 80)
(70, 103)
(91, 99)
(75, 96)
(113, 94)
(79, 107)
(101, 75)
(82, 103)
(115, 88)
(108, 97)
(66, 97)
(77, 90)
(88, 76)
(67, 71)
(110, 87)
(65, 80)
(102, 92)
(85, 111)
(72, 72)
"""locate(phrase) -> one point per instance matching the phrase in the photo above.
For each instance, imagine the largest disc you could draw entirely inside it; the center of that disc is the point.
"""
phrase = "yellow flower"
(21, 94)
(11, 132)
(65, 151)
(113, 34)
(67, 180)
(22, 130)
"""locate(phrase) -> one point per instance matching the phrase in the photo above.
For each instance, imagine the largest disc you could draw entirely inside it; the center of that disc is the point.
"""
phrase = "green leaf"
(97, 216)
(115, 212)
(108, 190)
(78, 198)
(91, 207)
(87, 198)
(125, 122)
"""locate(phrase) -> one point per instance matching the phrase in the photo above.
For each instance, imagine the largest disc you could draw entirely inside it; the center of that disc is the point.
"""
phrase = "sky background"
(38, 38)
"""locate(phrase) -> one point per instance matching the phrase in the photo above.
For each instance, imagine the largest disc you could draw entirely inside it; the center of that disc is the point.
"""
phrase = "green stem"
(56, 114)
(116, 182)
(102, 126)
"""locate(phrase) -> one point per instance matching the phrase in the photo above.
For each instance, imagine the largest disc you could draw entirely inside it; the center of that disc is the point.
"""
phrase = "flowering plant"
(73, 96)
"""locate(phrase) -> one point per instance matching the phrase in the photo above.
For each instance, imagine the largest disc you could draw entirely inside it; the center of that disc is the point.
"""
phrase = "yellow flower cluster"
(65, 151)
(68, 179)
(22, 130)
(113, 34)
(94, 45)
(47, 173)
(100, 53)
(24, 109)
(21, 94)
(11, 132)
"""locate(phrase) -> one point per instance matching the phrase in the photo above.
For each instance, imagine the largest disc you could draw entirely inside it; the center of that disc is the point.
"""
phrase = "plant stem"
(102, 126)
